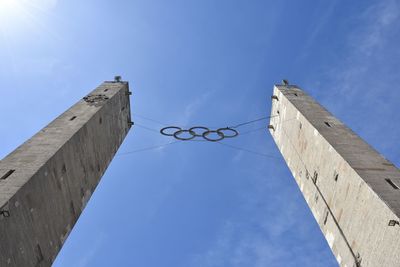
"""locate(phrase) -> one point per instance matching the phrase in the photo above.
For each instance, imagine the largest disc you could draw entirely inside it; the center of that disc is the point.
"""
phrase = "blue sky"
(214, 63)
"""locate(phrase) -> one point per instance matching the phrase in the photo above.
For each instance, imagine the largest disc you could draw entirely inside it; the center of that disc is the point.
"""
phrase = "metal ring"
(234, 132)
(193, 132)
(221, 136)
(170, 127)
(177, 133)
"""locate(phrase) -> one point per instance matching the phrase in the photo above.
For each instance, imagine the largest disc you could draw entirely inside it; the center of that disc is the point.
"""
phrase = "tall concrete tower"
(46, 182)
(352, 190)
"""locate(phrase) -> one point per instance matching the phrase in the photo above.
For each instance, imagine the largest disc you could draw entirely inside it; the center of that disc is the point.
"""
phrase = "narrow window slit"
(326, 217)
(105, 90)
(327, 124)
(395, 186)
(336, 177)
(73, 118)
(39, 254)
(5, 176)
(63, 169)
(315, 177)
(72, 208)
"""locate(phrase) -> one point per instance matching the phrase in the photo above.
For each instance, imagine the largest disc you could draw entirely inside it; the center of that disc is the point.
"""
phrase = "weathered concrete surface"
(55, 173)
(352, 191)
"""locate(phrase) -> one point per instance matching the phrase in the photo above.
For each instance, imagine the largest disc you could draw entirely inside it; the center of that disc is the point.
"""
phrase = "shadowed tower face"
(46, 182)
(352, 190)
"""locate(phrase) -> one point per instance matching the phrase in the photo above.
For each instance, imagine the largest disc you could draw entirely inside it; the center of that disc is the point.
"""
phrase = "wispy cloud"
(364, 77)
(366, 48)
(265, 235)
(274, 220)
(98, 242)
(238, 156)
(325, 14)
(194, 106)
(379, 18)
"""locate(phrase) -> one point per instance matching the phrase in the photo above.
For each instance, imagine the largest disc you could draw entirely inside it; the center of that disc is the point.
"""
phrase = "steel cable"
(206, 132)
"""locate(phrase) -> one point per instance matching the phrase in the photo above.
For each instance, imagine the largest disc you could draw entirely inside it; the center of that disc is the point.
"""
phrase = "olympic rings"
(221, 136)
(192, 130)
(162, 131)
(199, 131)
(177, 133)
(234, 133)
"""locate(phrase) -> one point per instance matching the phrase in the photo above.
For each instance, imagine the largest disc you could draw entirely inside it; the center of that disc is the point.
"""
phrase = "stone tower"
(47, 181)
(352, 190)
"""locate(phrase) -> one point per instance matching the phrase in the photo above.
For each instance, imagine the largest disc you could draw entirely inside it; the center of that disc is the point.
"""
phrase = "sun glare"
(16, 15)
(11, 12)
(6, 5)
